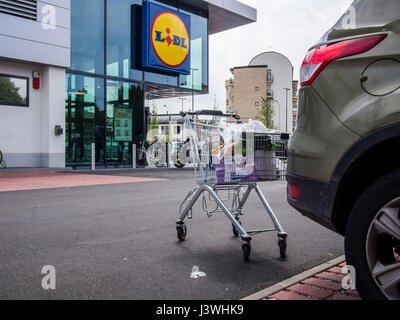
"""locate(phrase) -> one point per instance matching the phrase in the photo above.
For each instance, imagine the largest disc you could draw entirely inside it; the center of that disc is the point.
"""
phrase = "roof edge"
(225, 15)
(278, 53)
(237, 7)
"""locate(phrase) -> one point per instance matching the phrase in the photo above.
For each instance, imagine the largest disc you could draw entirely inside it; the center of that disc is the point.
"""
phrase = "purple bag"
(220, 171)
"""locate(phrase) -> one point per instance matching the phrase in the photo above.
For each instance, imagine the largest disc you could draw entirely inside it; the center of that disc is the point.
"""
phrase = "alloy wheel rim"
(383, 249)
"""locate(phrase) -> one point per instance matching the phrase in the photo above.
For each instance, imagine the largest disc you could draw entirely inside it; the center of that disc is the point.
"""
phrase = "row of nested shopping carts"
(231, 156)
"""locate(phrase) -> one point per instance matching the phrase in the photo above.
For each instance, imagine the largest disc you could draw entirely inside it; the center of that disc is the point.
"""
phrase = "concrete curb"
(296, 279)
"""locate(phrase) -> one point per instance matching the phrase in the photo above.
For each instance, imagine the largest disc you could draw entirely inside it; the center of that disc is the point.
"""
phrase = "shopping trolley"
(231, 155)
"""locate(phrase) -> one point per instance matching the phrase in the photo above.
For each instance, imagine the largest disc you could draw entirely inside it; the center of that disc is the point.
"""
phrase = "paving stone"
(330, 276)
(325, 284)
(336, 270)
(287, 295)
(352, 292)
(311, 291)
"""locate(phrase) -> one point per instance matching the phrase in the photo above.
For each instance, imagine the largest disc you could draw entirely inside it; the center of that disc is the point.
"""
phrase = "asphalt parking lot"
(119, 241)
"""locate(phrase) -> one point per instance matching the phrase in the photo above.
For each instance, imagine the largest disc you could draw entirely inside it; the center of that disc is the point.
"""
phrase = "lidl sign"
(166, 38)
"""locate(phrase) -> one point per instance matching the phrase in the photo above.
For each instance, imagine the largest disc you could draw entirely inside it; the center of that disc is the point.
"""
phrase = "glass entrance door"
(123, 118)
(84, 120)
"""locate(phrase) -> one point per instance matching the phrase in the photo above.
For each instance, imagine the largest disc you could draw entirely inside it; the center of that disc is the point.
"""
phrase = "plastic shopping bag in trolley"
(246, 153)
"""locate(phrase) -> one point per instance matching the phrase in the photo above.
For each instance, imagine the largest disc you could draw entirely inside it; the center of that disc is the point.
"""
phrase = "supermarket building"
(78, 72)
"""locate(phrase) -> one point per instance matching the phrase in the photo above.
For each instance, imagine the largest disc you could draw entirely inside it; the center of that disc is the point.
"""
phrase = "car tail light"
(294, 191)
(318, 58)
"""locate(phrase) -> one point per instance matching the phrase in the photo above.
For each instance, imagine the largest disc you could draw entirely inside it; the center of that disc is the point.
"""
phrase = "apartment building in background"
(268, 75)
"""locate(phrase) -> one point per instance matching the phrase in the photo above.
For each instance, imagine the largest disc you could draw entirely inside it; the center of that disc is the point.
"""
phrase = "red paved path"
(323, 286)
(32, 181)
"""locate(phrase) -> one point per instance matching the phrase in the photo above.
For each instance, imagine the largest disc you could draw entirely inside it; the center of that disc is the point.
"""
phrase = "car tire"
(360, 247)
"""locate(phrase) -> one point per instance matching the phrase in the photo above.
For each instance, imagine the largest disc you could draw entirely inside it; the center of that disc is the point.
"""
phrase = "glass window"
(164, 129)
(85, 119)
(269, 75)
(14, 90)
(87, 36)
(198, 79)
(124, 120)
(123, 20)
(257, 88)
(160, 79)
(177, 129)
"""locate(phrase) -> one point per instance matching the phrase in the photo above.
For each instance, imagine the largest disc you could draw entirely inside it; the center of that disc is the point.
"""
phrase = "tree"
(267, 113)
(9, 92)
(154, 125)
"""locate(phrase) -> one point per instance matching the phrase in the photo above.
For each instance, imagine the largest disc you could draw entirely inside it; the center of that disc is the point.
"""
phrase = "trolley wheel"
(246, 247)
(235, 233)
(181, 232)
(282, 247)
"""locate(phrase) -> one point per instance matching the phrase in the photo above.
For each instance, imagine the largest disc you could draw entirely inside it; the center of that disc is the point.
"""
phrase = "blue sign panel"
(166, 39)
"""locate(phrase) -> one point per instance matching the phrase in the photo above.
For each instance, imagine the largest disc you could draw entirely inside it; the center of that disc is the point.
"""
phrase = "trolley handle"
(215, 113)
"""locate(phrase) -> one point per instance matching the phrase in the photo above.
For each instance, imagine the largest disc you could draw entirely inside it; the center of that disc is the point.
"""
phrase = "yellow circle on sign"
(170, 39)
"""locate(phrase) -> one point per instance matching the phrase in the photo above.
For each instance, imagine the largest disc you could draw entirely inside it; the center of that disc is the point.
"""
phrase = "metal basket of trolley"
(231, 155)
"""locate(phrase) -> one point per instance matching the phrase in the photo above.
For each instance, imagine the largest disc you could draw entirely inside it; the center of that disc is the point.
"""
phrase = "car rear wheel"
(373, 239)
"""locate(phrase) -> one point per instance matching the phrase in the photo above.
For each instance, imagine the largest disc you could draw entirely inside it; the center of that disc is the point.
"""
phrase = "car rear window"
(367, 13)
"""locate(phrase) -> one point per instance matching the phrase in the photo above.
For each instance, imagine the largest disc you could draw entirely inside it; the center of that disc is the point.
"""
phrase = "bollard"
(134, 156)
(167, 153)
(93, 156)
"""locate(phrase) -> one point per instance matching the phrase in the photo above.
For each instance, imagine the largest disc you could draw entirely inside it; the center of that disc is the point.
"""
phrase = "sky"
(289, 27)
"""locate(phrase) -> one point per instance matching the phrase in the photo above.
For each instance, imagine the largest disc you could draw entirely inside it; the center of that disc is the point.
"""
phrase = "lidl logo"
(170, 39)
(167, 38)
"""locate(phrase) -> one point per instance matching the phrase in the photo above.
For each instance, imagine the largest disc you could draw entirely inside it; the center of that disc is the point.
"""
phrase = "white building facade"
(269, 76)
(280, 86)
(72, 74)
(34, 42)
